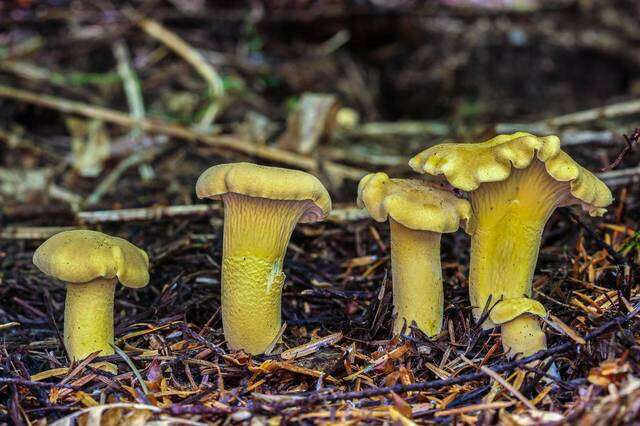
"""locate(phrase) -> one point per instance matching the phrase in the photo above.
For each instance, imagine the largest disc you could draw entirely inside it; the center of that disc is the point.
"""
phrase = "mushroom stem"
(256, 235)
(88, 318)
(417, 278)
(506, 230)
(523, 336)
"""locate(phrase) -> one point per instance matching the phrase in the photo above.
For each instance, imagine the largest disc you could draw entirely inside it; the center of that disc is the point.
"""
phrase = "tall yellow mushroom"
(514, 183)
(262, 206)
(91, 263)
(418, 215)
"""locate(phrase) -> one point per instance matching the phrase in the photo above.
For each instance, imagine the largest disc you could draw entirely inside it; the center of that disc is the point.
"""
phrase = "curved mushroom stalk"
(418, 214)
(88, 318)
(417, 279)
(256, 235)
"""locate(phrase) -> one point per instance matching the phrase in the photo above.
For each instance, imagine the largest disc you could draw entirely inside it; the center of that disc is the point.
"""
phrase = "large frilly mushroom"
(514, 183)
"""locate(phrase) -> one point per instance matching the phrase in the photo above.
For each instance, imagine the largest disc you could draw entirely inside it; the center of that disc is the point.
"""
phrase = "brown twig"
(157, 126)
(631, 141)
(31, 383)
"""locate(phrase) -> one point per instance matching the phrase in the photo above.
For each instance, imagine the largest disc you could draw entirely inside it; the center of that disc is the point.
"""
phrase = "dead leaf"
(256, 128)
(312, 118)
(90, 145)
(609, 372)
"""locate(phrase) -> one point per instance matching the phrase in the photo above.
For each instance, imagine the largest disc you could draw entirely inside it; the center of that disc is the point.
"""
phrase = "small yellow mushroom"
(514, 183)
(262, 206)
(418, 215)
(91, 263)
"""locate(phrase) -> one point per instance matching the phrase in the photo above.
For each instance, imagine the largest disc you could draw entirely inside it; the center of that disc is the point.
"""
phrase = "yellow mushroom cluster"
(514, 183)
(508, 187)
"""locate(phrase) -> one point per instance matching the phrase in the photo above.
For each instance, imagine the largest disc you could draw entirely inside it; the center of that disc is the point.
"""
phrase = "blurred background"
(163, 89)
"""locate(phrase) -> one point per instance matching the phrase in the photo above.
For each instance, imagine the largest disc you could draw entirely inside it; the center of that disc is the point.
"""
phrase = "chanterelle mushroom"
(514, 183)
(91, 263)
(262, 206)
(418, 215)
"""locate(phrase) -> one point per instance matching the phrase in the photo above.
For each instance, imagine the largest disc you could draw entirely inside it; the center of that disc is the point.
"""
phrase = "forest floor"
(108, 114)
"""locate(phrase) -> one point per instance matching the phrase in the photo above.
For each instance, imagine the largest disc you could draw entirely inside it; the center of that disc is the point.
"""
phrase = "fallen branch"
(147, 213)
(195, 59)
(105, 185)
(31, 383)
(550, 125)
(346, 214)
(32, 232)
(339, 215)
(608, 111)
(620, 177)
(188, 53)
(504, 383)
(156, 126)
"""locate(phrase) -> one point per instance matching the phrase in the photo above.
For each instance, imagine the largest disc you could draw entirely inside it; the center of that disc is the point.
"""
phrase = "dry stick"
(148, 213)
(195, 59)
(505, 384)
(620, 177)
(581, 137)
(631, 141)
(498, 368)
(189, 54)
(156, 126)
(545, 126)
(32, 232)
(608, 111)
(475, 407)
(340, 215)
(346, 214)
(131, 84)
(112, 178)
(30, 383)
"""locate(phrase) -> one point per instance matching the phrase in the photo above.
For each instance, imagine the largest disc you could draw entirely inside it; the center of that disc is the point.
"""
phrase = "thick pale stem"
(503, 260)
(506, 230)
(417, 278)
(523, 336)
(256, 235)
(509, 218)
(88, 318)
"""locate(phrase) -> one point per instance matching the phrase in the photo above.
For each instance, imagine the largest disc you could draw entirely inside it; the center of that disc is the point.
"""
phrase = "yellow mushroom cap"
(467, 165)
(412, 203)
(273, 183)
(81, 256)
(510, 309)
